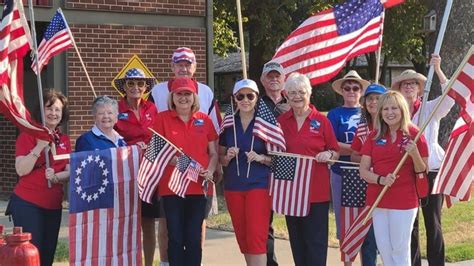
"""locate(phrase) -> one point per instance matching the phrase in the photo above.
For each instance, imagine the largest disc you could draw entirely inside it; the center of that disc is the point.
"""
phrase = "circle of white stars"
(77, 181)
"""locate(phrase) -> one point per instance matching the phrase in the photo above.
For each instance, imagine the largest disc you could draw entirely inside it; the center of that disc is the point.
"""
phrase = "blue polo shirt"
(96, 140)
(344, 121)
(259, 173)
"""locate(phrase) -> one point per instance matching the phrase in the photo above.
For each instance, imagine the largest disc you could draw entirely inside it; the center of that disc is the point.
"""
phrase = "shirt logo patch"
(62, 146)
(123, 116)
(147, 116)
(314, 126)
(199, 122)
(381, 142)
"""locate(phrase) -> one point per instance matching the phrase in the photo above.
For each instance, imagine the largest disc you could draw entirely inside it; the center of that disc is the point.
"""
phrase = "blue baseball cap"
(375, 88)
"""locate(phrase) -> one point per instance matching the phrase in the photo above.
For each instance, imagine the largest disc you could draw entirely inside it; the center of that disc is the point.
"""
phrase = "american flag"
(228, 120)
(104, 211)
(57, 38)
(291, 185)
(266, 128)
(14, 45)
(186, 171)
(352, 203)
(354, 236)
(323, 43)
(157, 156)
(456, 173)
(362, 130)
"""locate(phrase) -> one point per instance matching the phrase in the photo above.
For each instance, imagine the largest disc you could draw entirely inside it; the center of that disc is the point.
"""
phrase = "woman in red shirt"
(135, 116)
(393, 136)
(308, 132)
(33, 205)
(194, 134)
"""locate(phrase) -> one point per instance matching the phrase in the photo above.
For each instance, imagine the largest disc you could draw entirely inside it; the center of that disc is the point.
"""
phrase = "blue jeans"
(43, 224)
(309, 236)
(184, 217)
(369, 249)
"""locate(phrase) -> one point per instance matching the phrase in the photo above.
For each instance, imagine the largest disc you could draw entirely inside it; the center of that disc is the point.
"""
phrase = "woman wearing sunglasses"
(344, 120)
(247, 199)
(309, 133)
(135, 116)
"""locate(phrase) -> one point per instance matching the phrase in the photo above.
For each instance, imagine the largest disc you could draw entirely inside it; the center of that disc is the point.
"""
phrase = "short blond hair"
(194, 108)
(379, 124)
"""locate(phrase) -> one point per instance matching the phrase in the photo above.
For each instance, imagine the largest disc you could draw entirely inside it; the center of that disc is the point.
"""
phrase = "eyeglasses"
(409, 84)
(294, 93)
(240, 96)
(133, 83)
(354, 89)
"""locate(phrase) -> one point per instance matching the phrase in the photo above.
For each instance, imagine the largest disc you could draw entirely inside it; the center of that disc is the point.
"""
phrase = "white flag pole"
(439, 43)
(38, 76)
(77, 51)
(378, 55)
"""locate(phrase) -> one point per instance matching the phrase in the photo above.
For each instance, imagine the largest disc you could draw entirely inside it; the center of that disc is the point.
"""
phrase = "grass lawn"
(457, 223)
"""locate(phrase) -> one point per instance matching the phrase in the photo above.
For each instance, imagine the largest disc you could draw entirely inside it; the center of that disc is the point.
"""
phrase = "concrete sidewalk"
(221, 247)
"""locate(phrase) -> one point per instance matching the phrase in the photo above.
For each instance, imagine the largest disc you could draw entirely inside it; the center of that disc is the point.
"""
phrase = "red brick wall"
(173, 7)
(8, 176)
(106, 48)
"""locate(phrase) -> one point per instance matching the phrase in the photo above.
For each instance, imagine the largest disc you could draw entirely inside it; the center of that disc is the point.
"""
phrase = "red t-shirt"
(192, 138)
(316, 135)
(132, 129)
(385, 157)
(33, 187)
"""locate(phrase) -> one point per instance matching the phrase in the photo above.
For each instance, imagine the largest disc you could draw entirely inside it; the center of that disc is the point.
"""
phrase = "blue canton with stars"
(283, 167)
(91, 182)
(57, 24)
(354, 14)
(353, 188)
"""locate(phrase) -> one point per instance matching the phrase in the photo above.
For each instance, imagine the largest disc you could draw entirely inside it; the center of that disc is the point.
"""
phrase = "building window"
(39, 2)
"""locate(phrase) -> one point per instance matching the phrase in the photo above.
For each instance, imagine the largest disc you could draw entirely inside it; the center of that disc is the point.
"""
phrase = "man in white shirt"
(183, 64)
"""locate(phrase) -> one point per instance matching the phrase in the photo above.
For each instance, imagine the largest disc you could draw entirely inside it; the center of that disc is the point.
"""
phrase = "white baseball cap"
(245, 83)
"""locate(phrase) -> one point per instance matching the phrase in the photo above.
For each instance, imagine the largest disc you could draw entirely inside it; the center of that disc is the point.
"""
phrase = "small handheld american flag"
(186, 171)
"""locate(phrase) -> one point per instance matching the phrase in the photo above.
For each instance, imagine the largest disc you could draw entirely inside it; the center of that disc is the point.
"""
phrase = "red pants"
(250, 214)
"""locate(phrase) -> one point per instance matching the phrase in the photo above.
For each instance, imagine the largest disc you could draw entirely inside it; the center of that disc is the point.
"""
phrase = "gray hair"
(103, 100)
(297, 80)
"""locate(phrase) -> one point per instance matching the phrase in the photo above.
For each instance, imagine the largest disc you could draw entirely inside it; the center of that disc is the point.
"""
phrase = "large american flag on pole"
(323, 43)
(57, 38)
(104, 211)
(186, 171)
(456, 173)
(352, 203)
(291, 185)
(15, 43)
(355, 235)
(157, 156)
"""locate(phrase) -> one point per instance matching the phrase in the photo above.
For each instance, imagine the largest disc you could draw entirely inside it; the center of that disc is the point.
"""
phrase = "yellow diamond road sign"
(134, 62)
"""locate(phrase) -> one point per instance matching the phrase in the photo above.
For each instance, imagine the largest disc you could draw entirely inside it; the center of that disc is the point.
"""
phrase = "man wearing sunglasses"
(273, 79)
(183, 64)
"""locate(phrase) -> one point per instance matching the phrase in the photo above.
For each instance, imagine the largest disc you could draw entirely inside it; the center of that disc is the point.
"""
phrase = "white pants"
(393, 233)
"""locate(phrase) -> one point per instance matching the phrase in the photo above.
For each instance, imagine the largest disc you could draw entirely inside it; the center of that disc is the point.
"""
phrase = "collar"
(282, 100)
(96, 131)
(314, 111)
(124, 107)
(175, 114)
(416, 106)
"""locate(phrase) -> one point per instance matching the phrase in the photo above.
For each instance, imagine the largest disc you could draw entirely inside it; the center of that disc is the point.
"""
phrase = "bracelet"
(55, 178)
(378, 180)
(332, 154)
(34, 154)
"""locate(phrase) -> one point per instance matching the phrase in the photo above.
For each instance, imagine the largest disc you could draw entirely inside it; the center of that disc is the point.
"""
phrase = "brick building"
(108, 33)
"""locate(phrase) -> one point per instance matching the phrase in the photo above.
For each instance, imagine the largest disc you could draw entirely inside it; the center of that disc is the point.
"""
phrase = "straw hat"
(407, 75)
(351, 75)
(135, 73)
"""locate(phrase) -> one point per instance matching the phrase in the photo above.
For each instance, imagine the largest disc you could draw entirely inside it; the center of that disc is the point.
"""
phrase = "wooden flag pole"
(38, 76)
(422, 129)
(172, 145)
(78, 54)
(235, 135)
(307, 157)
(439, 43)
(242, 43)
